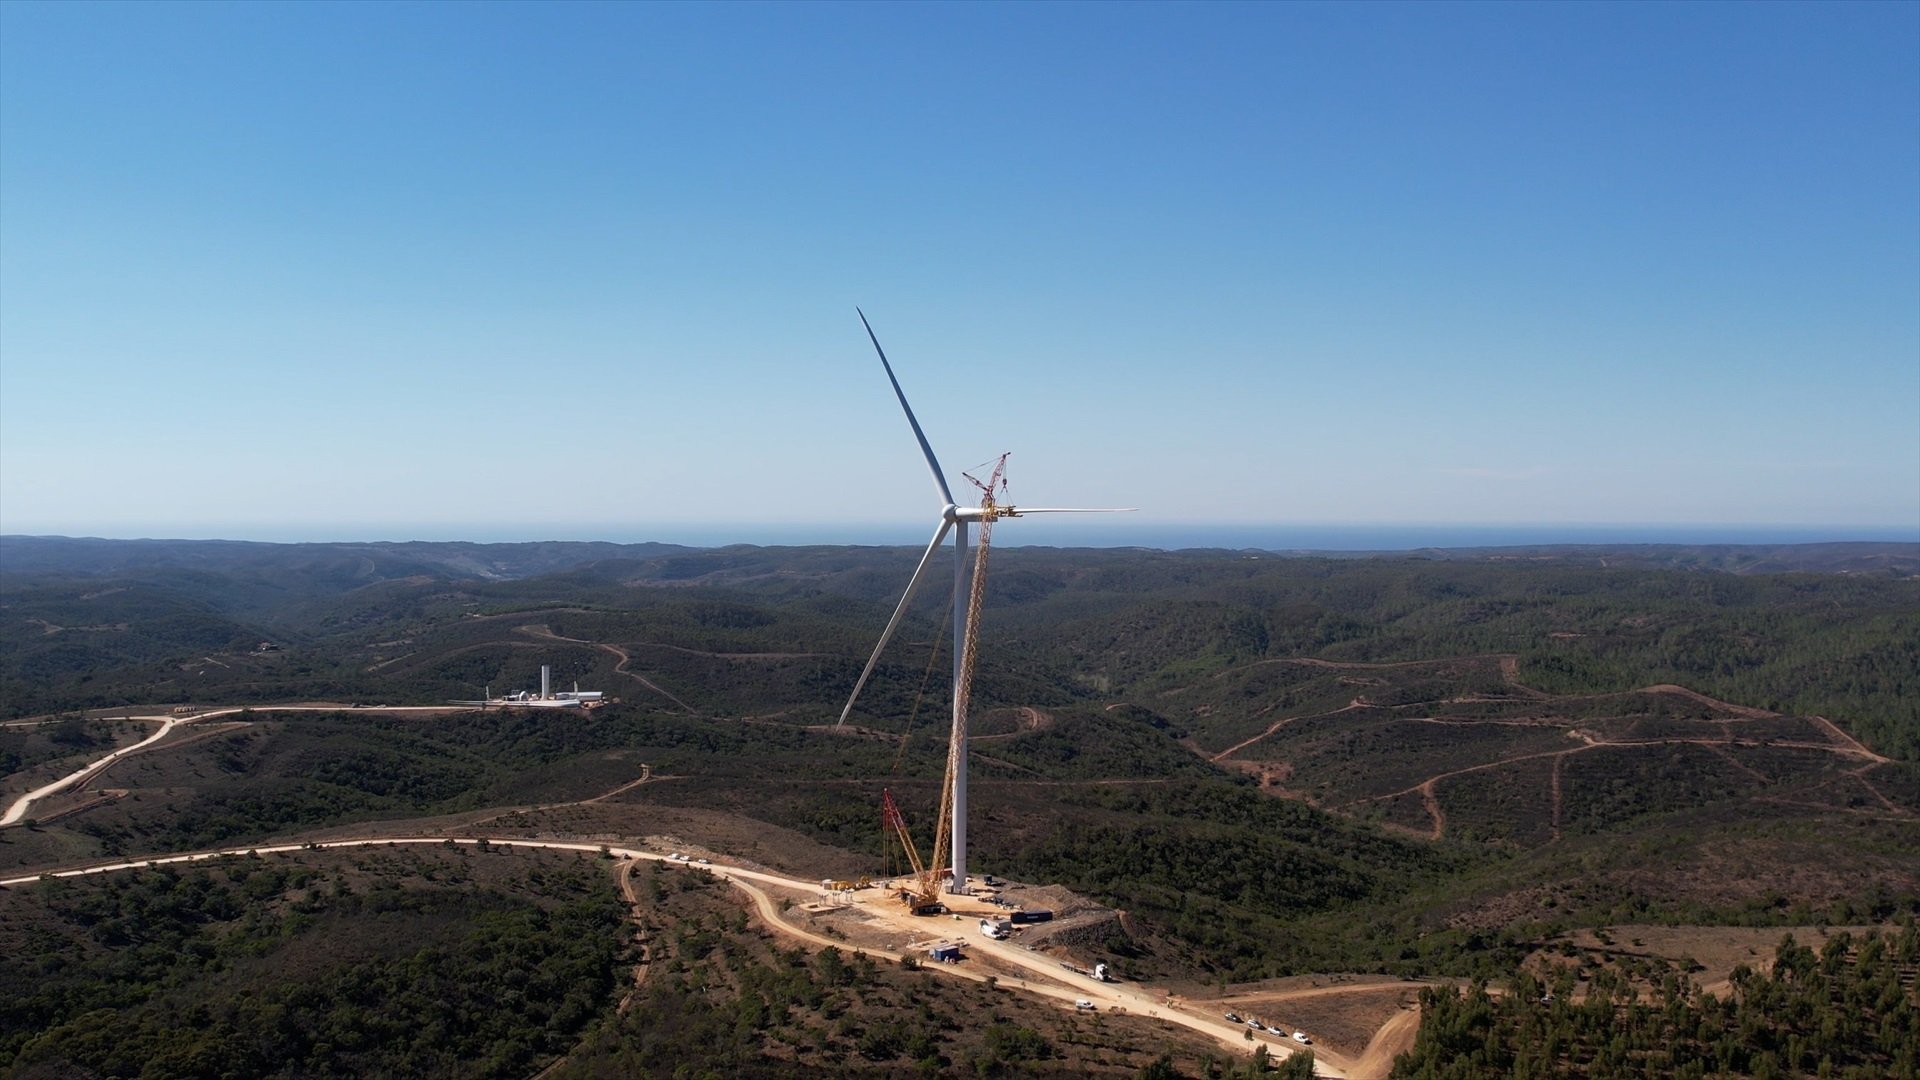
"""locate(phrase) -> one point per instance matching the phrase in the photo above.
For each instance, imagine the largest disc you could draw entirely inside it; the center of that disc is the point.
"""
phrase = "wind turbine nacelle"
(975, 513)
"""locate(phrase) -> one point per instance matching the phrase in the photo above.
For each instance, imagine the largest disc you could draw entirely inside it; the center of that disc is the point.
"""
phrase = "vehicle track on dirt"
(17, 812)
(646, 777)
(431, 658)
(742, 657)
(1554, 811)
(1835, 740)
(543, 630)
(1855, 745)
(79, 778)
(823, 729)
(1281, 997)
(546, 632)
(1395, 1037)
(1223, 755)
(621, 669)
(1039, 977)
(1426, 788)
(1031, 720)
(1431, 803)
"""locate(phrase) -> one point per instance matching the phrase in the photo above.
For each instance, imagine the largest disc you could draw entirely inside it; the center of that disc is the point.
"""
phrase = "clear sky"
(365, 271)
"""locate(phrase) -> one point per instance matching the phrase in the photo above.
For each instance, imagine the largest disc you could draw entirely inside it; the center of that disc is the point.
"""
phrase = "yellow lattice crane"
(925, 897)
(950, 834)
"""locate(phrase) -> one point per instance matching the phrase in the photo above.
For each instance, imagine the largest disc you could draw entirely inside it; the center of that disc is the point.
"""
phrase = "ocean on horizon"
(1062, 531)
(1079, 532)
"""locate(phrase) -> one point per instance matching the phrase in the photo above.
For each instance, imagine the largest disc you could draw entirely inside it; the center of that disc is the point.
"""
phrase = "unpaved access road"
(1044, 976)
(17, 812)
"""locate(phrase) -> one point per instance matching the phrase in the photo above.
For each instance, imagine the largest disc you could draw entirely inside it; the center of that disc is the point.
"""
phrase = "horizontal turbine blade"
(893, 624)
(1023, 511)
(939, 480)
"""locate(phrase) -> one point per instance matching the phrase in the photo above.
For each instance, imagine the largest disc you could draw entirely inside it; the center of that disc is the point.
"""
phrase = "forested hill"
(1275, 764)
(92, 623)
(359, 562)
(316, 565)
(1888, 559)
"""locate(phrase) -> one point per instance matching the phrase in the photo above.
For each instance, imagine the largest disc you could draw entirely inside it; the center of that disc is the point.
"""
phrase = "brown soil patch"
(698, 832)
(1342, 1019)
(1357, 1022)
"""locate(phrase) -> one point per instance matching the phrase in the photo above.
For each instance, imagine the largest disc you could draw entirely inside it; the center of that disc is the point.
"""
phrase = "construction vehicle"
(922, 897)
(834, 885)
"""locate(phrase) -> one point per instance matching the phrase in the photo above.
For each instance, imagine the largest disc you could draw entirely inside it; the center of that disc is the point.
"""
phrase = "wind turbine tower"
(955, 519)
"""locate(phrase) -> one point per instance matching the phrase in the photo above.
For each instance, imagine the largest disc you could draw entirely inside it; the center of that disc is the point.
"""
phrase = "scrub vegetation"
(376, 963)
(1435, 765)
(1848, 1011)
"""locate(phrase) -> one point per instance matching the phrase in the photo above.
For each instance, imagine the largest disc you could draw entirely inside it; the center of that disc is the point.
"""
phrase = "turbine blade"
(893, 624)
(1023, 511)
(939, 480)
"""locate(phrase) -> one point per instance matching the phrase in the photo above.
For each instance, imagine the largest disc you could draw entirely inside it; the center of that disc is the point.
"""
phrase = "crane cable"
(933, 654)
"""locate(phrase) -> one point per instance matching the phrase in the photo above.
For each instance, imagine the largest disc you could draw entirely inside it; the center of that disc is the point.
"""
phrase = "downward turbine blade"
(939, 480)
(894, 623)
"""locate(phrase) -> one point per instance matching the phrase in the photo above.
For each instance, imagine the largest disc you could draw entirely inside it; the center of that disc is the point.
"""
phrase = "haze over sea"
(1096, 532)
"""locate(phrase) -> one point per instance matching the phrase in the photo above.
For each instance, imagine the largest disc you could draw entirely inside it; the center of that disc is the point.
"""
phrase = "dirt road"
(1042, 975)
(17, 812)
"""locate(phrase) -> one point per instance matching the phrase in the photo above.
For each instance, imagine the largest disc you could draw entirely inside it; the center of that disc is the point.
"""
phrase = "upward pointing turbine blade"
(899, 612)
(939, 480)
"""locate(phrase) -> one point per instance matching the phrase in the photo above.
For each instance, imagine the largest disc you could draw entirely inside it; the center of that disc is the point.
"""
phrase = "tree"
(1297, 1066)
(1161, 1068)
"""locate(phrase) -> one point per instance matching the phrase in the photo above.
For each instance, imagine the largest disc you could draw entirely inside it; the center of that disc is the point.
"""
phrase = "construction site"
(1037, 940)
(1015, 934)
(1033, 938)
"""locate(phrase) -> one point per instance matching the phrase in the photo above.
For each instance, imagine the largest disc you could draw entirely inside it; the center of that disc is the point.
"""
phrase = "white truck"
(1097, 974)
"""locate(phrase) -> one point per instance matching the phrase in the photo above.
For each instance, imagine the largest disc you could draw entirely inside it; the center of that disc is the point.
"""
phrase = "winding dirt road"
(1223, 755)
(1043, 976)
(546, 633)
(1038, 974)
(1827, 738)
(17, 812)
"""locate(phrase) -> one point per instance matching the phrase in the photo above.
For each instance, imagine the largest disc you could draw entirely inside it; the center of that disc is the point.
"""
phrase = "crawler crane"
(924, 899)
(954, 519)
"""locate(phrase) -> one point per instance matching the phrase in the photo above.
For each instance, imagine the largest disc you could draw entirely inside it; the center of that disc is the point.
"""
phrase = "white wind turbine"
(954, 519)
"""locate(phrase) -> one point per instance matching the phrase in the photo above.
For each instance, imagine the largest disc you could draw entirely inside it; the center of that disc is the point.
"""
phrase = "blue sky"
(359, 271)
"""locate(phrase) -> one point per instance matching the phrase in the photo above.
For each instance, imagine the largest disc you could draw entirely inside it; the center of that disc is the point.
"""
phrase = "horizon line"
(1272, 536)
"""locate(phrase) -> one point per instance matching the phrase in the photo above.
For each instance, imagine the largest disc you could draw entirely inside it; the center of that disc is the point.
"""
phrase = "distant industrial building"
(545, 699)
